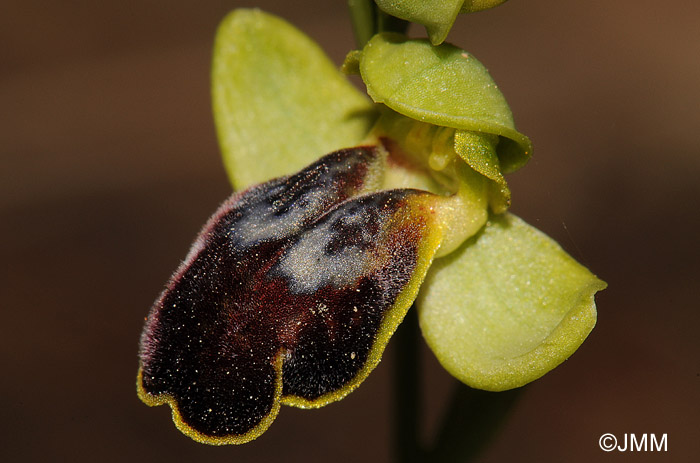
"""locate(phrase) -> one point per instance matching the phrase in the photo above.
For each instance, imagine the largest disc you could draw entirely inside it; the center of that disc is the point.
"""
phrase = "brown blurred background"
(110, 166)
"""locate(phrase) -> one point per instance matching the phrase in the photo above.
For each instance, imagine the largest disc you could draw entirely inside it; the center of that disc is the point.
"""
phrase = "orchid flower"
(349, 211)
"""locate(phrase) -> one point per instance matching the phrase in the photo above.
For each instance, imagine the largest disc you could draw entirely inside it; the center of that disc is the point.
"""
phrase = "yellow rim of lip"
(161, 399)
(395, 315)
(426, 251)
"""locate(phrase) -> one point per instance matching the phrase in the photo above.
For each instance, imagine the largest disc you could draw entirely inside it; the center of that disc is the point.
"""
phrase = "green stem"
(367, 20)
(472, 419)
(407, 394)
(388, 23)
(363, 20)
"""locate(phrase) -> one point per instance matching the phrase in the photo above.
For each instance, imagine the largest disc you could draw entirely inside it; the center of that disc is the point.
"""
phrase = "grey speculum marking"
(288, 268)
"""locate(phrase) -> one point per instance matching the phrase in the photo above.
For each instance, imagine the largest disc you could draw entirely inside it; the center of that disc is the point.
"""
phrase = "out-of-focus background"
(109, 166)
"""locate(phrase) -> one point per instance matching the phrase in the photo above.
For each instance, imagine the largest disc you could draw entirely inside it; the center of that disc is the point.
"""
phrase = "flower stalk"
(407, 392)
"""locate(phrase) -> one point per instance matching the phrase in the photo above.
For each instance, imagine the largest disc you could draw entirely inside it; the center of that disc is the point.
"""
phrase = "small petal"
(289, 295)
(522, 306)
(478, 150)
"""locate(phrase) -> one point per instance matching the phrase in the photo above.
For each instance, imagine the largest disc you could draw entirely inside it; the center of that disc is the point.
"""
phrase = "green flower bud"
(436, 15)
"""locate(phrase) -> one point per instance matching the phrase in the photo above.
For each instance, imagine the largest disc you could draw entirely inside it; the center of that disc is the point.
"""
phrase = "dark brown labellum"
(289, 295)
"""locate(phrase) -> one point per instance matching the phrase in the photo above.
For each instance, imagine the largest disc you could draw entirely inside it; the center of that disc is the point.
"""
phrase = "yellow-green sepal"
(436, 15)
(277, 97)
(444, 86)
(507, 307)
